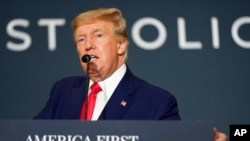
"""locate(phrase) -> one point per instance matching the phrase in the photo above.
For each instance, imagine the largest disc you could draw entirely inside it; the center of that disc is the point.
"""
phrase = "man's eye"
(80, 40)
(99, 35)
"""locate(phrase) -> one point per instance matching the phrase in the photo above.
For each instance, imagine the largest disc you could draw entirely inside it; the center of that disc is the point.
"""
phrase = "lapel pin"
(123, 103)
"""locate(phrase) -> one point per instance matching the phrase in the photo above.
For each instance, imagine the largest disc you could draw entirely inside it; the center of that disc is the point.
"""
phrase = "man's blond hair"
(113, 15)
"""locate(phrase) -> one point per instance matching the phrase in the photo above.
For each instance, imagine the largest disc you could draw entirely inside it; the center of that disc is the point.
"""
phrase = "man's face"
(97, 38)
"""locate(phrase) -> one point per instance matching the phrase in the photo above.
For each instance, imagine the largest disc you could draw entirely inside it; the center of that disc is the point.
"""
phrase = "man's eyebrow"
(79, 35)
(92, 32)
(96, 30)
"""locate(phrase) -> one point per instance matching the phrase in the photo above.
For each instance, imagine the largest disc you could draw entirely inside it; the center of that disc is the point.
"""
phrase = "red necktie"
(95, 89)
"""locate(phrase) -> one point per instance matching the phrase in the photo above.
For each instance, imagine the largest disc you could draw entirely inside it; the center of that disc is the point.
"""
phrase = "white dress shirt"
(108, 87)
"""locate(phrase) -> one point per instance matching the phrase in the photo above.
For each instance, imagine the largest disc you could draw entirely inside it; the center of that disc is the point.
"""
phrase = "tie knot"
(95, 88)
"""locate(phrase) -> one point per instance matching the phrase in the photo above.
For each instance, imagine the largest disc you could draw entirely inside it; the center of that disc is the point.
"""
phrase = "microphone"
(86, 58)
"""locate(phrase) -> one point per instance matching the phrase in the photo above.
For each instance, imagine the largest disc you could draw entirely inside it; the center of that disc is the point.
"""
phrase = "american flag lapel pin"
(123, 103)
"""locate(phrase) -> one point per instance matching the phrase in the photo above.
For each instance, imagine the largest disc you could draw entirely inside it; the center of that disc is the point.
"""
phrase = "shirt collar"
(109, 84)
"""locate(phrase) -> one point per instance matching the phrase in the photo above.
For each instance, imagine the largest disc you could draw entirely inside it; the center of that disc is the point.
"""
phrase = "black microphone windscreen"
(86, 58)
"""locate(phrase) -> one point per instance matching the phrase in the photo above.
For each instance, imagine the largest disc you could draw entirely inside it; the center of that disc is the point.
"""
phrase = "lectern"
(118, 130)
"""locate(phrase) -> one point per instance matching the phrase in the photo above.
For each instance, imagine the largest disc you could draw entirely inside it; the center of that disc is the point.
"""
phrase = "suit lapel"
(120, 99)
(73, 103)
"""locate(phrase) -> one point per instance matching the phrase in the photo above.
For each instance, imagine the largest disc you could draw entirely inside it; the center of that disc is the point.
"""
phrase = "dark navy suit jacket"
(141, 101)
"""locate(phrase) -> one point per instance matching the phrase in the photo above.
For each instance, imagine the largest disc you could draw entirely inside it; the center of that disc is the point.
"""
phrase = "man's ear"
(122, 47)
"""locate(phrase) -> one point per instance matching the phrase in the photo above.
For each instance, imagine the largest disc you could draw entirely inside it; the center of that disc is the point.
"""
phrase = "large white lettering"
(26, 39)
(235, 32)
(51, 24)
(183, 43)
(160, 40)
(215, 32)
(12, 32)
(23, 40)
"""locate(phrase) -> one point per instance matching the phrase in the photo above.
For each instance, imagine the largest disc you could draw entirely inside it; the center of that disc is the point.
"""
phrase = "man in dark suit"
(102, 35)
(132, 99)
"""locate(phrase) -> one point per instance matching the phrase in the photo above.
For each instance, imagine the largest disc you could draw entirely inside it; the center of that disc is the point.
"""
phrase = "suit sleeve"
(168, 109)
(49, 111)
